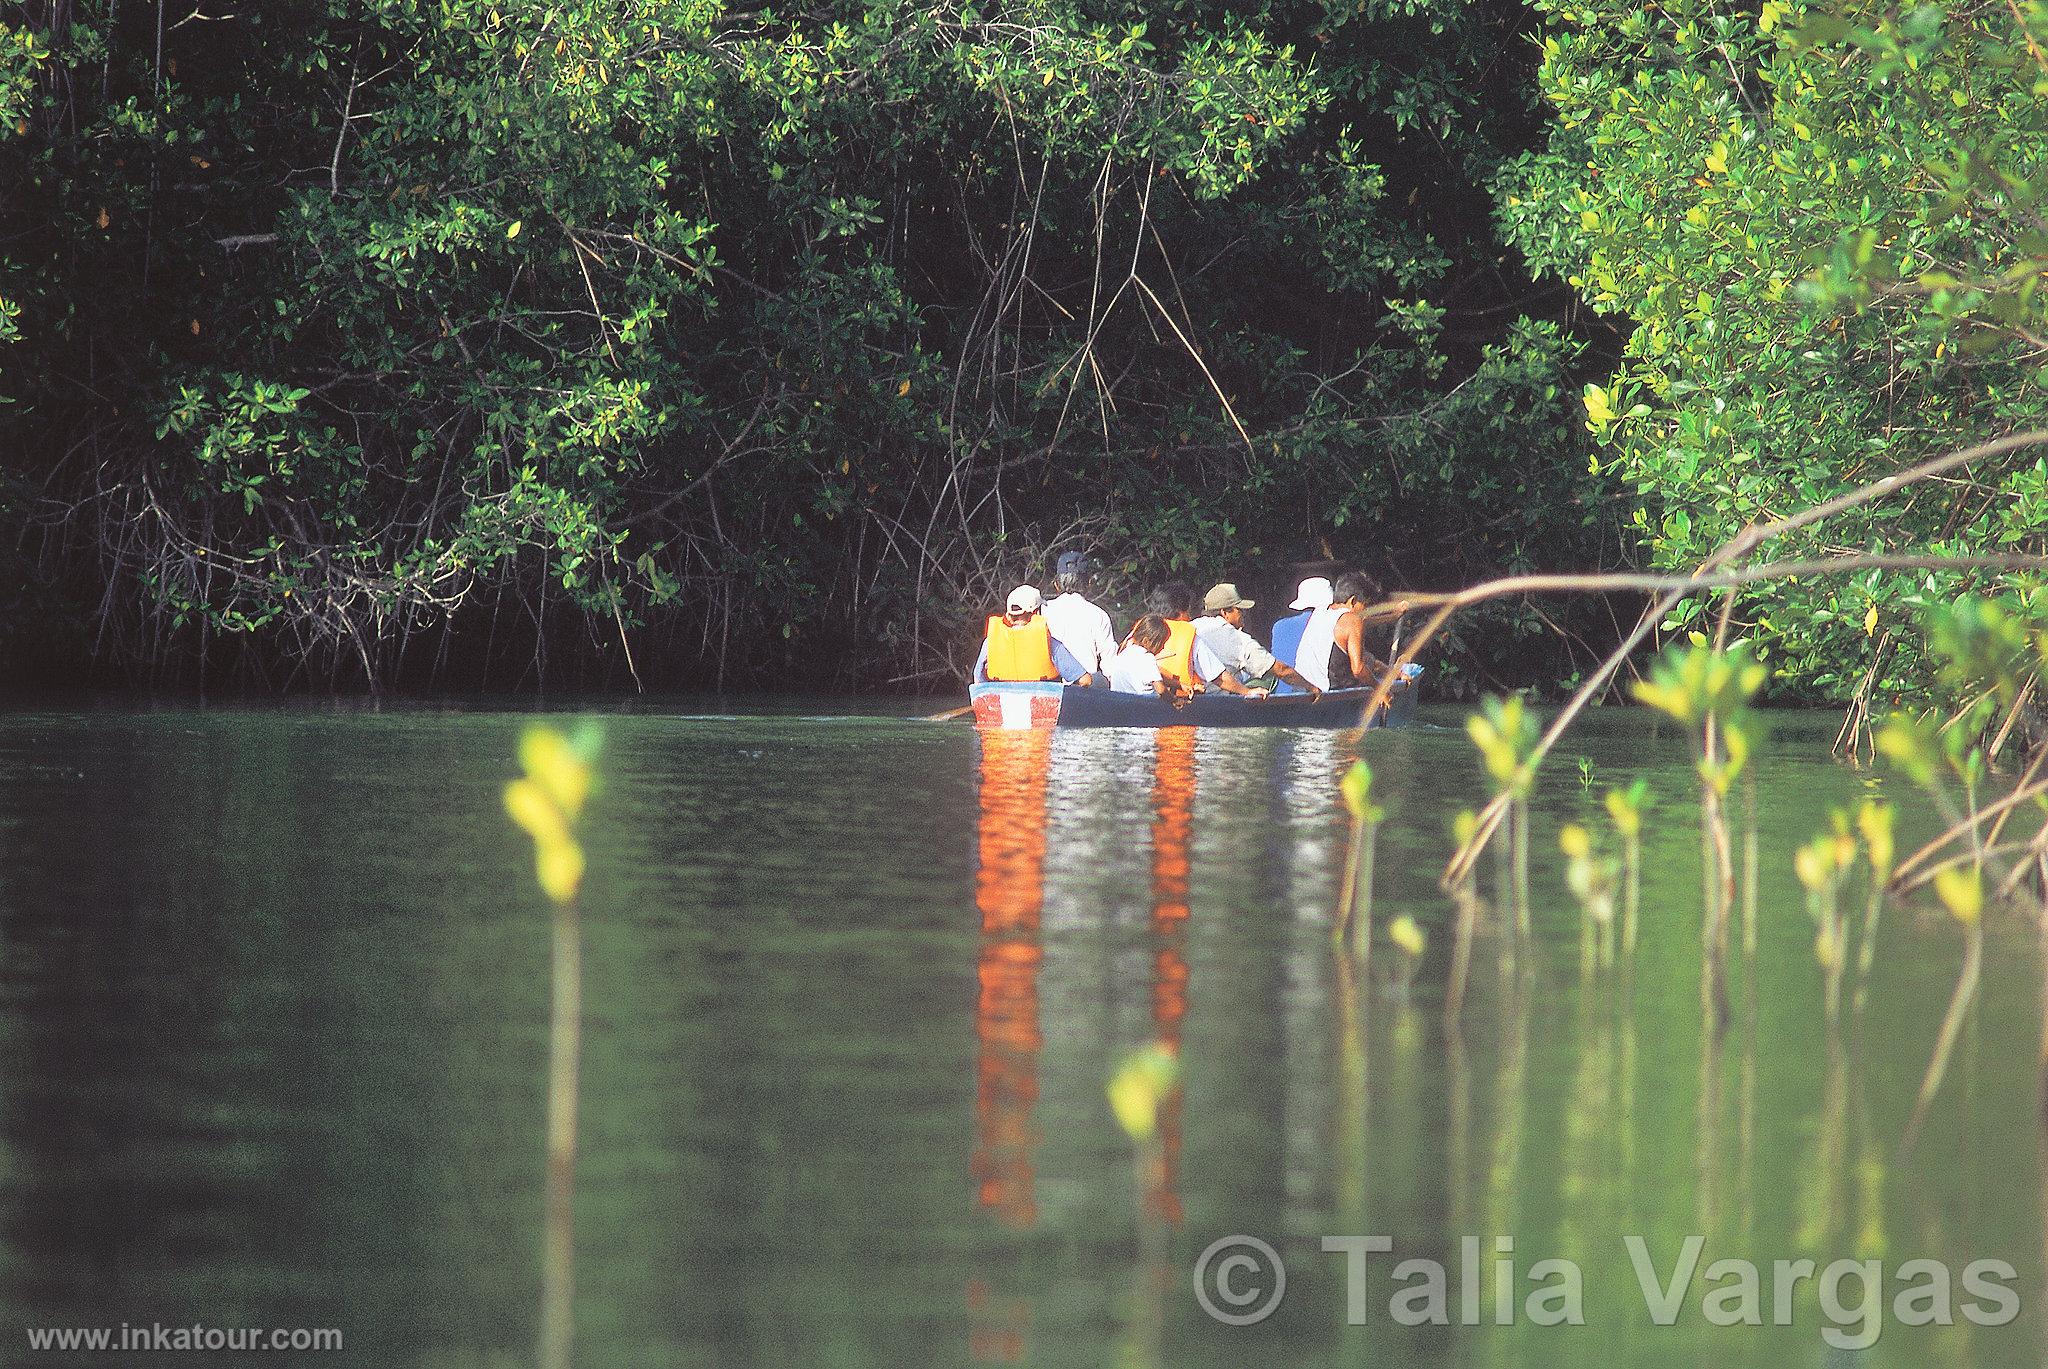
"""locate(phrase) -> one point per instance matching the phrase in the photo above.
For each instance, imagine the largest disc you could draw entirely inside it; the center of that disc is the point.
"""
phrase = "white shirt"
(1133, 671)
(1233, 648)
(1312, 657)
(1083, 629)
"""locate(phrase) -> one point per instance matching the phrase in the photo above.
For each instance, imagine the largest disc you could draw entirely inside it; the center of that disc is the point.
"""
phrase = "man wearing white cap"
(1221, 629)
(1017, 646)
(1083, 639)
(1312, 594)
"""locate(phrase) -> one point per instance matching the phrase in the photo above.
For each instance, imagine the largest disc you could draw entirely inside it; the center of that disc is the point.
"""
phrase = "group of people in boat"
(1181, 647)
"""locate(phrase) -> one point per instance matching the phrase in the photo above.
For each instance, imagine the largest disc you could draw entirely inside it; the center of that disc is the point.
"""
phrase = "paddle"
(949, 714)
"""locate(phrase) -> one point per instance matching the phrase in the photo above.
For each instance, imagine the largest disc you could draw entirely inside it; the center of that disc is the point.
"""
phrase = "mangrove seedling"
(1145, 1083)
(548, 803)
(1915, 748)
(1625, 807)
(1354, 899)
(1987, 655)
(1708, 692)
(1408, 938)
(1822, 864)
(1464, 828)
(1506, 734)
(1592, 878)
(1876, 820)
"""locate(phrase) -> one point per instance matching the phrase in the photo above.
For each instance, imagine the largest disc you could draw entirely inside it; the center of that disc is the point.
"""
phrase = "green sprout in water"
(1354, 899)
(1147, 1078)
(547, 802)
(1822, 865)
(1875, 820)
(1143, 1085)
(1593, 879)
(1506, 734)
(1625, 807)
(1708, 692)
(1987, 655)
(1411, 941)
(1464, 828)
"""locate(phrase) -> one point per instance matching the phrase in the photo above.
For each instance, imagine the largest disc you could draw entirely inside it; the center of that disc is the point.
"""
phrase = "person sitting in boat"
(1312, 594)
(1083, 640)
(1135, 669)
(1238, 657)
(1185, 662)
(1351, 664)
(1018, 645)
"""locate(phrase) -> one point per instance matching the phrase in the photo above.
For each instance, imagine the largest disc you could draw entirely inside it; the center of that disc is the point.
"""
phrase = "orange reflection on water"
(1009, 892)
(997, 1326)
(1173, 824)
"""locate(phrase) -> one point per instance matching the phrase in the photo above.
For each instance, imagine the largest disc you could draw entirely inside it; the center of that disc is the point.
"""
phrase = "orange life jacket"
(1177, 662)
(1020, 653)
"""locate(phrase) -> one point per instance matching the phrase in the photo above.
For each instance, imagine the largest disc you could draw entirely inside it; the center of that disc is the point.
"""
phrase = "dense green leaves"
(788, 336)
(1825, 225)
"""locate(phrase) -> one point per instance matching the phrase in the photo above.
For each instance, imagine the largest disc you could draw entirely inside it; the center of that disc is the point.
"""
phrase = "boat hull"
(1020, 706)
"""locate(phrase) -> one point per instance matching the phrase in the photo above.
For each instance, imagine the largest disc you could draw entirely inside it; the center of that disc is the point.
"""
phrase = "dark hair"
(1356, 584)
(1149, 632)
(1171, 599)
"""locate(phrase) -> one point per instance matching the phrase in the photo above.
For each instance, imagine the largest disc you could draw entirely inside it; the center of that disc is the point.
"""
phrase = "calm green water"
(273, 1038)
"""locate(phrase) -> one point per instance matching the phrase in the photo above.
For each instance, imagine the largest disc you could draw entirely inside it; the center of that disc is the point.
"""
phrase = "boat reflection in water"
(1009, 894)
(1084, 895)
(1173, 824)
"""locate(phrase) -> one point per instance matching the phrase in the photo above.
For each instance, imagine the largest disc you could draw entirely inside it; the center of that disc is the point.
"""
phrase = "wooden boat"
(1058, 705)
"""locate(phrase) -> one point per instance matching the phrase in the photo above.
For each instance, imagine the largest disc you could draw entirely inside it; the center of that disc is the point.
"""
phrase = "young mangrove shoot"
(1464, 828)
(1708, 692)
(1822, 865)
(1145, 1083)
(548, 804)
(1506, 734)
(1876, 820)
(1593, 879)
(1625, 807)
(1411, 941)
(1354, 899)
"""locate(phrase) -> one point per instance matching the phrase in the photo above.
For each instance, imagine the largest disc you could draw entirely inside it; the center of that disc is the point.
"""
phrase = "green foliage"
(1694, 683)
(1824, 224)
(1626, 806)
(22, 53)
(1823, 865)
(1992, 653)
(1961, 890)
(1984, 649)
(1146, 1081)
(1506, 732)
(789, 336)
(547, 803)
(1356, 787)
(1700, 686)
(1593, 878)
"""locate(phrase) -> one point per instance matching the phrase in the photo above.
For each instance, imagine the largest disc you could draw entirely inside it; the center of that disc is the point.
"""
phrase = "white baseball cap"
(1314, 592)
(1025, 599)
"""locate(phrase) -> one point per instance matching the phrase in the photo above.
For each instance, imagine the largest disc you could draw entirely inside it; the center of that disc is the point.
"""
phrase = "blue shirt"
(1287, 641)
